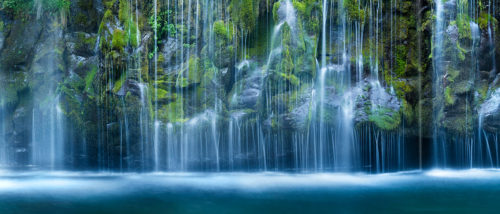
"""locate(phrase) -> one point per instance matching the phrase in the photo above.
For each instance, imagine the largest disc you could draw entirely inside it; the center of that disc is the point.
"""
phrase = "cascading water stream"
(48, 137)
(4, 157)
(437, 75)
(156, 122)
(48, 125)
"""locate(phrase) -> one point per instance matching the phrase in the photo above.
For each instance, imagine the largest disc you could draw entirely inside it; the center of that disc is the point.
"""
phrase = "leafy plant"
(27, 7)
(163, 24)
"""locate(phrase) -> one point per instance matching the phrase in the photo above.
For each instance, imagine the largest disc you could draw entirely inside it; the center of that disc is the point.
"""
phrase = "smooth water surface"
(436, 191)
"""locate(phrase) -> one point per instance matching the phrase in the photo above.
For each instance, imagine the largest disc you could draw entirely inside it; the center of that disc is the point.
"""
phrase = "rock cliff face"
(247, 84)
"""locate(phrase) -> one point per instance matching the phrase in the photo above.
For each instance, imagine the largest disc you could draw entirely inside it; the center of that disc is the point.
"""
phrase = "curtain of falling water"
(48, 136)
(198, 139)
(475, 148)
(437, 74)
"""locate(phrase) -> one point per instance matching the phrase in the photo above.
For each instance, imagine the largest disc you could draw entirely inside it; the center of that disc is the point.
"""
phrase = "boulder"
(489, 112)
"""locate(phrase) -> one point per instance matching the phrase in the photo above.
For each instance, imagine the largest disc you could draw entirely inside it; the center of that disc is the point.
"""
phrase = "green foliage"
(245, 13)
(27, 7)
(354, 12)
(163, 24)
(223, 31)
(18, 7)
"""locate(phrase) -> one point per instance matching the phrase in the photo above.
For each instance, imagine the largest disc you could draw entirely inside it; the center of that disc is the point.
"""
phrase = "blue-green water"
(471, 191)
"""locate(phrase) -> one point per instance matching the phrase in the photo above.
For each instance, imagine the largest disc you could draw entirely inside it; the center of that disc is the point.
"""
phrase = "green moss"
(181, 82)
(400, 64)
(222, 31)
(173, 112)
(300, 7)
(104, 31)
(245, 13)
(461, 52)
(119, 40)
(385, 119)
(452, 74)
(484, 19)
(195, 70)
(123, 12)
(353, 10)
(118, 84)
(287, 64)
(408, 112)
(164, 95)
(129, 24)
(89, 79)
(400, 86)
(483, 92)
(132, 31)
(276, 7)
(463, 24)
(292, 79)
(459, 125)
(449, 98)
(105, 19)
(109, 3)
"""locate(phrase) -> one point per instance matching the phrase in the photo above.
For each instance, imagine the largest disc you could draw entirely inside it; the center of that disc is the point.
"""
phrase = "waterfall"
(437, 77)
(39, 8)
(48, 125)
(48, 136)
(341, 138)
(144, 124)
(303, 86)
(156, 122)
(4, 157)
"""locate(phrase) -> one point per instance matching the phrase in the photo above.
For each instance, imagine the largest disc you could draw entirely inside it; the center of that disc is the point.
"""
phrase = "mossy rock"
(385, 119)
(165, 96)
(119, 40)
(245, 13)
(172, 112)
